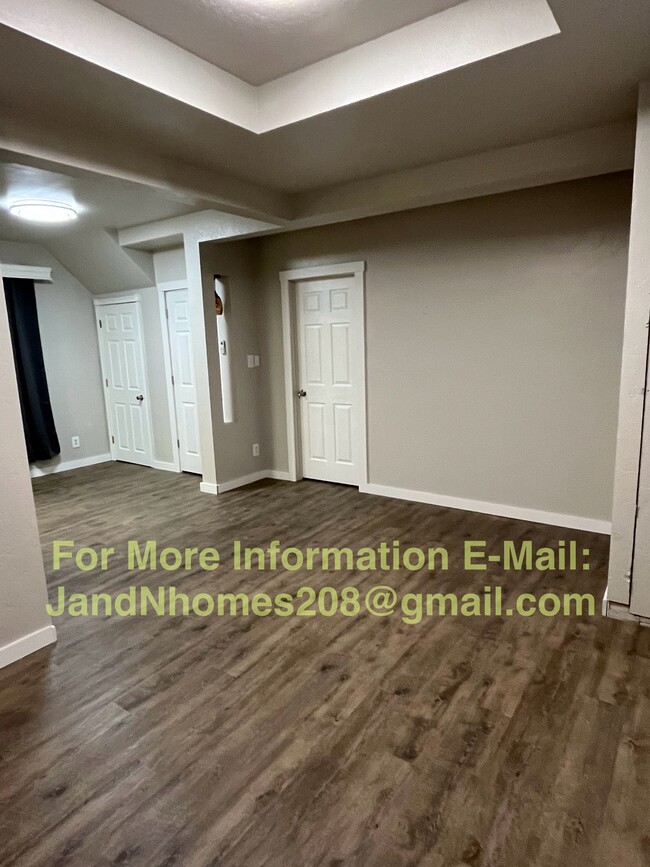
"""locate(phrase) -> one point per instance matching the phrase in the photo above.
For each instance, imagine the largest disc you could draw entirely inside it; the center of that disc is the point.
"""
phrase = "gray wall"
(22, 579)
(70, 350)
(494, 334)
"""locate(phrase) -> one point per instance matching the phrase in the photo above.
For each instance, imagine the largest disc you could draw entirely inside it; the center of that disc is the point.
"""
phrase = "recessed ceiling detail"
(456, 36)
(260, 40)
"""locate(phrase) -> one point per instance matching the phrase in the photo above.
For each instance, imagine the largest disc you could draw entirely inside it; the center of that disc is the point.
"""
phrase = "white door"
(329, 370)
(184, 382)
(122, 348)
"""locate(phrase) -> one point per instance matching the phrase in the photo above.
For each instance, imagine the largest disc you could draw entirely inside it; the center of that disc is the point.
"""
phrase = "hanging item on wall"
(218, 303)
(221, 298)
(38, 420)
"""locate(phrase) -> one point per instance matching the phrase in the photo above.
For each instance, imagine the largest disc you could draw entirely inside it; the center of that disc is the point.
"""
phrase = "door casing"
(288, 281)
(163, 289)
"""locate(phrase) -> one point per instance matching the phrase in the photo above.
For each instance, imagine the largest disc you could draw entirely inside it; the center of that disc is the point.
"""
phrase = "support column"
(24, 623)
(206, 360)
(632, 485)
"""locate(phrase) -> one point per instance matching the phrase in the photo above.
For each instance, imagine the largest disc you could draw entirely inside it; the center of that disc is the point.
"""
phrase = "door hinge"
(166, 313)
(100, 324)
(113, 439)
(178, 443)
(173, 383)
(106, 381)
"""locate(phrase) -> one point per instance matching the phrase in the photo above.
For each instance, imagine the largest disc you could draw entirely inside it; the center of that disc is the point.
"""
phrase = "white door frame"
(288, 280)
(163, 288)
(103, 301)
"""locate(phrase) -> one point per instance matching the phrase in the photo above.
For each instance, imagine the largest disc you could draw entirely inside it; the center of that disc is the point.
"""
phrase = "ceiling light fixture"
(42, 211)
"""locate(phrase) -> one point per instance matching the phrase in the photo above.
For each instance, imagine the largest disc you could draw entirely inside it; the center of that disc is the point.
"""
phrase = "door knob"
(140, 397)
(302, 393)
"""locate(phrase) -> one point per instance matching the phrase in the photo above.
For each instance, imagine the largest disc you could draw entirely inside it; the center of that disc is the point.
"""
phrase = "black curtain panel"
(38, 421)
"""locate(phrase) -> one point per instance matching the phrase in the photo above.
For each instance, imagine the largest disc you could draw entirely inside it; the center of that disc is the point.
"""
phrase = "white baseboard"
(44, 468)
(168, 466)
(21, 647)
(605, 605)
(555, 519)
(537, 516)
(242, 481)
(280, 475)
(616, 611)
(207, 488)
(621, 612)
(222, 487)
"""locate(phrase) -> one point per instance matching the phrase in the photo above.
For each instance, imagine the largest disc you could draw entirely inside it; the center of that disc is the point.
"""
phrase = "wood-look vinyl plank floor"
(490, 742)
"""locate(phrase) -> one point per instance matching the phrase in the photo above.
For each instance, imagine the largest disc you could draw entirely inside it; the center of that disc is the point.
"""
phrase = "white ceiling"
(260, 40)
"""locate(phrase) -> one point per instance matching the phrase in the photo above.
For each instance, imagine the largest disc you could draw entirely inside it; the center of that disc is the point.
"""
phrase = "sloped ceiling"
(100, 264)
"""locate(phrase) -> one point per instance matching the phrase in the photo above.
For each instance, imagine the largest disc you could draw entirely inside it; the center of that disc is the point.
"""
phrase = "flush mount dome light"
(38, 211)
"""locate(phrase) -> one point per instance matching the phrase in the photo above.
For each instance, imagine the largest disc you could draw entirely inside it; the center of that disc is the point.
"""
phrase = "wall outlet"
(256, 450)
(76, 442)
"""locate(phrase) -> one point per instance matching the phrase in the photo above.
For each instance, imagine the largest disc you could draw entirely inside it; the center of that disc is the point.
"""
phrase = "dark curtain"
(38, 422)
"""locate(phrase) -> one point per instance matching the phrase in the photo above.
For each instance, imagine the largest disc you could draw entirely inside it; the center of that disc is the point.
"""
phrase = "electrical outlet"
(256, 450)
(76, 442)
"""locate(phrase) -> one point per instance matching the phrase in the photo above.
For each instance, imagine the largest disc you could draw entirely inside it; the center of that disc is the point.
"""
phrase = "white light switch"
(257, 360)
(251, 360)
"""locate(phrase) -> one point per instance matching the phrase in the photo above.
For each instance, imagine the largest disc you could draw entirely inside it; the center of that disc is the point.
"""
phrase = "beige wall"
(70, 350)
(494, 332)
(22, 579)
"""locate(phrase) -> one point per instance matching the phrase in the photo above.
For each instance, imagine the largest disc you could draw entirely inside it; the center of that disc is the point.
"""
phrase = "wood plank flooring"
(292, 742)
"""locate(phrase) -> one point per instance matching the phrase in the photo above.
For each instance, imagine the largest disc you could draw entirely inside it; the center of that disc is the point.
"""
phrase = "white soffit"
(205, 225)
(468, 33)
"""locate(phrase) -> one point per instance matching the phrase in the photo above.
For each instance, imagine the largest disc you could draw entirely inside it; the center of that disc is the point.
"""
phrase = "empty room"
(325, 528)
